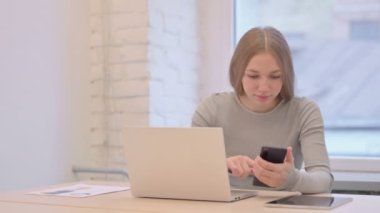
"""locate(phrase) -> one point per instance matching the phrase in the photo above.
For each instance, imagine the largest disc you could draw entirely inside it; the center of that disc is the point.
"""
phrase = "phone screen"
(271, 154)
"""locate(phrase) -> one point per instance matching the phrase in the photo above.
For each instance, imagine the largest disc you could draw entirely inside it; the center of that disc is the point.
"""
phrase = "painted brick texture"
(144, 64)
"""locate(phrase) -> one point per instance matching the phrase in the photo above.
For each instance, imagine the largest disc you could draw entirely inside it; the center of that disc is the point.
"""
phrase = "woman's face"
(262, 83)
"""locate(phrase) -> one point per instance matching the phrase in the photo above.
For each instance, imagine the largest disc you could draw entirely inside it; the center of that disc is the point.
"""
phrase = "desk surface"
(19, 201)
(28, 207)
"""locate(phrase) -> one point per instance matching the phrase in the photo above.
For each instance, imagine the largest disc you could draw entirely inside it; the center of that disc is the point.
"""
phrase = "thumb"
(289, 155)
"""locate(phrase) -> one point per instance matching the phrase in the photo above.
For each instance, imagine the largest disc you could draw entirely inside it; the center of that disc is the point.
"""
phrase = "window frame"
(223, 11)
(217, 31)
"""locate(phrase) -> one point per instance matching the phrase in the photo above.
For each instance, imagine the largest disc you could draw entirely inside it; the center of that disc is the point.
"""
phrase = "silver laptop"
(179, 163)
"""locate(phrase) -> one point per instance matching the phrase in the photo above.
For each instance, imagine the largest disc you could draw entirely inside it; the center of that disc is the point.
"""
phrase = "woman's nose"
(263, 85)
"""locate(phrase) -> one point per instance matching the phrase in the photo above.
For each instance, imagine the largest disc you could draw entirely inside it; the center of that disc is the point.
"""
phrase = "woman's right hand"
(240, 166)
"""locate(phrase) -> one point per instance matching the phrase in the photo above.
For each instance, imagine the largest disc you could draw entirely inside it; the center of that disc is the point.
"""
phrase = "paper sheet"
(80, 190)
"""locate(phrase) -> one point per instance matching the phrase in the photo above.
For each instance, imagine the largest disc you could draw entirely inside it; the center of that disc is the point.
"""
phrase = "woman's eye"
(276, 77)
(253, 76)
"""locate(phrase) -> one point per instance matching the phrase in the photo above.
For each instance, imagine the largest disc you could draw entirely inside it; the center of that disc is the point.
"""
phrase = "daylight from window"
(336, 51)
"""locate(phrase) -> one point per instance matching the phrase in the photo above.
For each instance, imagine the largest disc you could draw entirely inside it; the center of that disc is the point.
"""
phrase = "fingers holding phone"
(289, 156)
(273, 166)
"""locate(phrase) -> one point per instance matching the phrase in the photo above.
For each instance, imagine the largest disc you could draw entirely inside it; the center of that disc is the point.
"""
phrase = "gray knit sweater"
(297, 123)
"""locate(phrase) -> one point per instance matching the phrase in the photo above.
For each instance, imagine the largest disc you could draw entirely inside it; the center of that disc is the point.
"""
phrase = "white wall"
(149, 63)
(144, 70)
(174, 61)
(43, 90)
(119, 78)
(152, 61)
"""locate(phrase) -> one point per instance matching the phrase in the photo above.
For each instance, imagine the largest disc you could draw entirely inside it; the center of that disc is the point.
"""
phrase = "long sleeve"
(317, 177)
(315, 180)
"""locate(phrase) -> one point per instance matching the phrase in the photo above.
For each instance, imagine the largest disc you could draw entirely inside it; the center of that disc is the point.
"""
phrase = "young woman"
(263, 111)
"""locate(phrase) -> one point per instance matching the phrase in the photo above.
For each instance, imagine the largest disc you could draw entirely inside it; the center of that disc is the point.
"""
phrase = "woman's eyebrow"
(272, 72)
(275, 71)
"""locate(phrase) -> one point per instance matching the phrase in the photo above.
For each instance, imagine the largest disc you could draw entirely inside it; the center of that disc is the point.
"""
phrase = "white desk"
(9, 207)
(124, 201)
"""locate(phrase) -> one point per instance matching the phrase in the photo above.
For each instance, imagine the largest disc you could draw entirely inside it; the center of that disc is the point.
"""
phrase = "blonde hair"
(262, 40)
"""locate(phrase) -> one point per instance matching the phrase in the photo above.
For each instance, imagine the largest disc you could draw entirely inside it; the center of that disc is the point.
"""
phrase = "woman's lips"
(262, 98)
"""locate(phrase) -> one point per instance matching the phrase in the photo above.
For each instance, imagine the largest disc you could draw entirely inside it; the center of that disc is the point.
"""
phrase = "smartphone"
(271, 154)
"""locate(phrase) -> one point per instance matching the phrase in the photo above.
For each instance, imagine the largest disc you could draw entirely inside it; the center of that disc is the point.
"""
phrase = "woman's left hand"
(274, 174)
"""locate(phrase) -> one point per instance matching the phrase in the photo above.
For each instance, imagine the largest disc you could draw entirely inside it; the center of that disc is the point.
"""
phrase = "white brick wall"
(144, 65)
(119, 76)
(174, 61)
